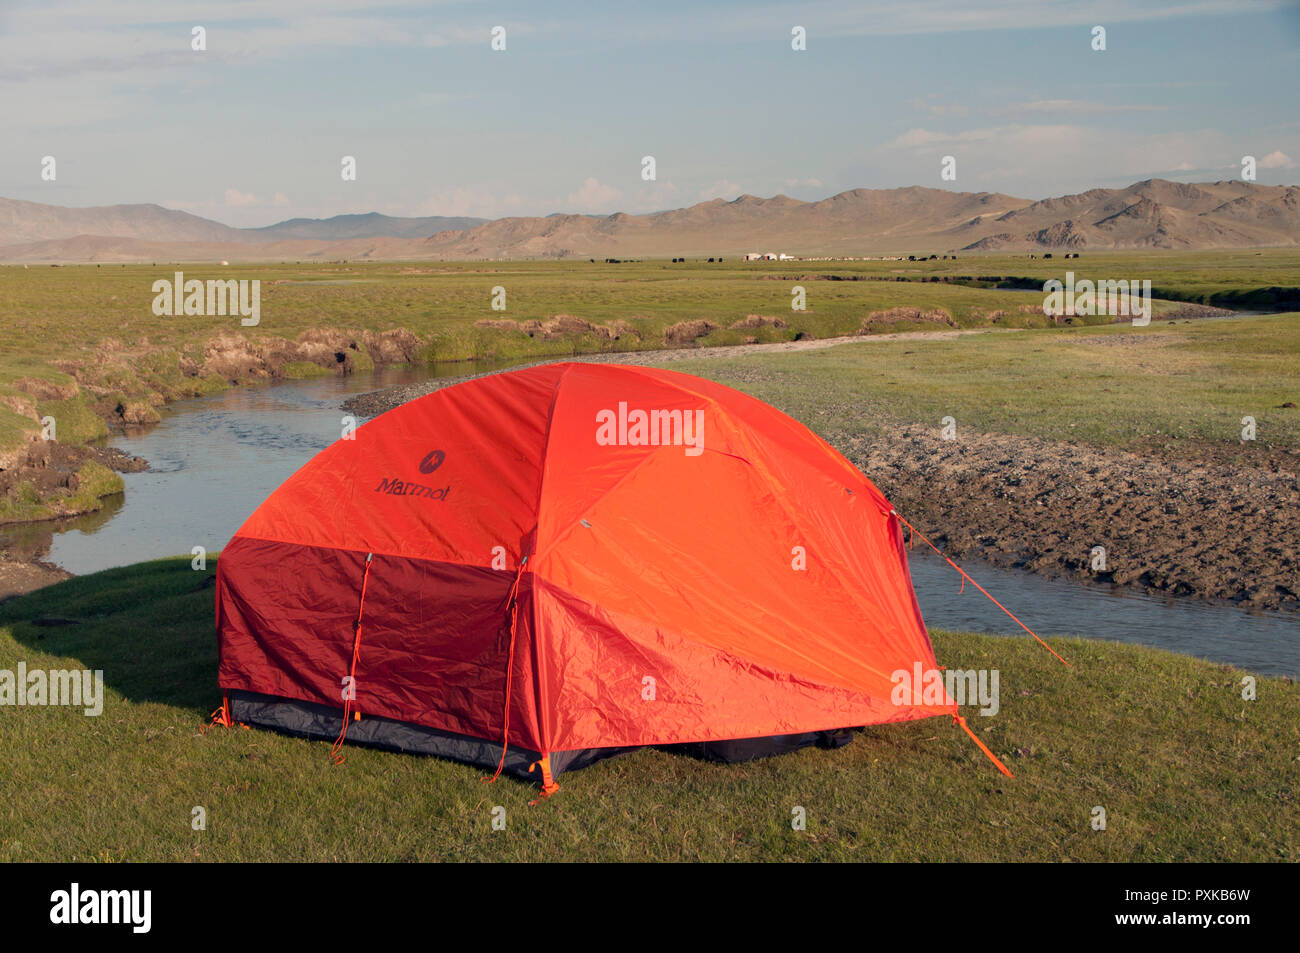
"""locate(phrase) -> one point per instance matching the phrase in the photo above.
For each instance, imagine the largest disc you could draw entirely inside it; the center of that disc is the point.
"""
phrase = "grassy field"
(1184, 768)
(1264, 279)
(1177, 388)
(82, 336)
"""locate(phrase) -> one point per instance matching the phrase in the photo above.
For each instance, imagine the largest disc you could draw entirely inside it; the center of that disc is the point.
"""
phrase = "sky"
(253, 129)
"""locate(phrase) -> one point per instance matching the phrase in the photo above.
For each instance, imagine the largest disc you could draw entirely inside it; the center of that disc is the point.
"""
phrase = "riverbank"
(86, 350)
(23, 575)
(53, 481)
(1147, 462)
(90, 359)
(1223, 533)
(1185, 769)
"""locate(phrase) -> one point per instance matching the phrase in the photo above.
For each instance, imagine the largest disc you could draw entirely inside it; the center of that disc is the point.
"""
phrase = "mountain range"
(1155, 213)
(30, 222)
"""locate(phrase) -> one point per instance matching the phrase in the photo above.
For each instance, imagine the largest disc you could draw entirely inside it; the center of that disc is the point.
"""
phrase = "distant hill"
(850, 223)
(24, 223)
(34, 222)
(1152, 214)
(370, 225)
(100, 248)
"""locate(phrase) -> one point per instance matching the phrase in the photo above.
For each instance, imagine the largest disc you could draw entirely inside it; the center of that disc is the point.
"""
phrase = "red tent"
(578, 559)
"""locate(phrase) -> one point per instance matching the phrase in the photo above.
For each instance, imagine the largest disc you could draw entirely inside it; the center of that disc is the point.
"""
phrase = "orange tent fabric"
(653, 558)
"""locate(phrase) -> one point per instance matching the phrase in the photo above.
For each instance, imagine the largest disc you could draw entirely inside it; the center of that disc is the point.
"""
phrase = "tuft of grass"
(95, 481)
(15, 429)
(26, 504)
(298, 370)
(1184, 768)
(75, 422)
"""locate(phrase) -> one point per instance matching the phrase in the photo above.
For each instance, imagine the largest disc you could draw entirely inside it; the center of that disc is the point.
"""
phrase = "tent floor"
(312, 720)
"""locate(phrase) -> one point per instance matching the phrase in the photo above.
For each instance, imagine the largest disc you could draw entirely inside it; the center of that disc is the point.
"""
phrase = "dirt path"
(377, 402)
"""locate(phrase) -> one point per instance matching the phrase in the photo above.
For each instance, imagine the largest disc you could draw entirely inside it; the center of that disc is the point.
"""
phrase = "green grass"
(96, 322)
(26, 505)
(297, 370)
(1185, 769)
(74, 420)
(96, 481)
(15, 429)
(1236, 278)
(1177, 387)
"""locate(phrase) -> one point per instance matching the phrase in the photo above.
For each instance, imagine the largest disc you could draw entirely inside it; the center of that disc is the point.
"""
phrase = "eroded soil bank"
(1216, 528)
(64, 480)
(1209, 530)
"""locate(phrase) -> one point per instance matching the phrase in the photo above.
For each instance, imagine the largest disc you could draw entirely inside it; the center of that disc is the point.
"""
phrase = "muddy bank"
(1210, 531)
(59, 481)
(19, 577)
(236, 358)
(1226, 528)
(56, 475)
(124, 386)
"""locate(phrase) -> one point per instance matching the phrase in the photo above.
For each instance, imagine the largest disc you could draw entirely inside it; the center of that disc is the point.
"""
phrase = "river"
(214, 459)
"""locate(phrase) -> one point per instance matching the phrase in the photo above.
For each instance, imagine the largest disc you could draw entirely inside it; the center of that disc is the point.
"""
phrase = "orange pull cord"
(967, 578)
(219, 717)
(336, 754)
(983, 747)
(549, 786)
(510, 671)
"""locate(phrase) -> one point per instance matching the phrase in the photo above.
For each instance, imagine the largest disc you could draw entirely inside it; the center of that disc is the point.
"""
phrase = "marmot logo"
(396, 487)
(432, 461)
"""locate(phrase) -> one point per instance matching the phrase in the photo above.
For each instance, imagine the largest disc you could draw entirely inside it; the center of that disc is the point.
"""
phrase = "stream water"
(214, 459)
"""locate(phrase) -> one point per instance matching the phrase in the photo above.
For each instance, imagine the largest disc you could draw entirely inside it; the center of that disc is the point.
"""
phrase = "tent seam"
(539, 682)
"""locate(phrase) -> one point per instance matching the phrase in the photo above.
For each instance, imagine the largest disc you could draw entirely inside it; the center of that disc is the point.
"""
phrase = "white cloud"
(242, 209)
(237, 199)
(593, 197)
(828, 20)
(1276, 160)
(1065, 108)
(927, 105)
(722, 189)
(475, 201)
(921, 138)
(1051, 159)
(136, 42)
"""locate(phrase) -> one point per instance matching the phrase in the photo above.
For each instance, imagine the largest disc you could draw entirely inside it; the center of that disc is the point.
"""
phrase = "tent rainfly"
(550, 566)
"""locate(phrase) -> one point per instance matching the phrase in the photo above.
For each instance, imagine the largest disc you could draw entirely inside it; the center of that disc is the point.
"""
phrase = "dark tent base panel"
(311, 720)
